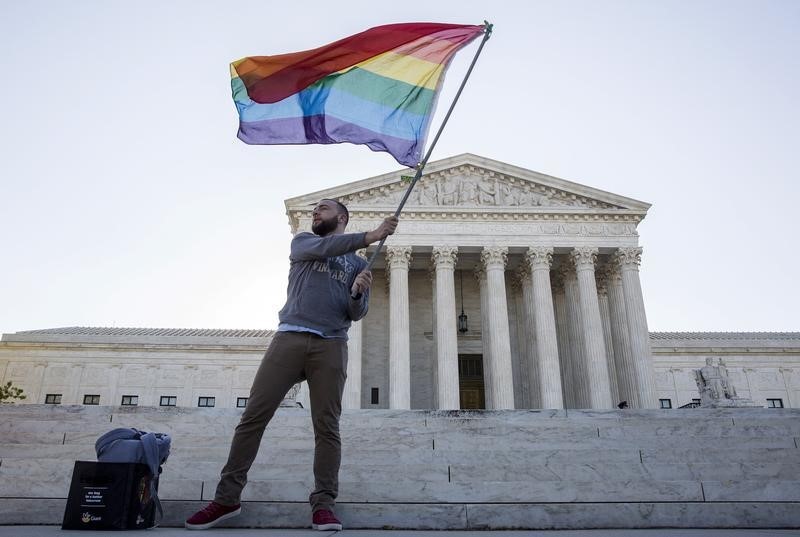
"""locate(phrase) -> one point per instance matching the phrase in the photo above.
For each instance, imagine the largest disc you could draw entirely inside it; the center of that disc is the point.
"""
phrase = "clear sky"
(128, 201)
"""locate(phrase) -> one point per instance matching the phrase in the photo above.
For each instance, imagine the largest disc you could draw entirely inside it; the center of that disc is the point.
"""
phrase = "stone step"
(43, 469)
(298, 426)
(461, 516)
(726, 454)
(440, 471)
(58, 486)
(297, 490)
(412, 417)
(46, 433)
(508, 492)
(579, 472)
(354, 488)
(701, 430)
(477, 470)
(569, 454)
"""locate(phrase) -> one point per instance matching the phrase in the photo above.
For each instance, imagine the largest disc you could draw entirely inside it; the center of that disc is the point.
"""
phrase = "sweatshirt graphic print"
(321, 274)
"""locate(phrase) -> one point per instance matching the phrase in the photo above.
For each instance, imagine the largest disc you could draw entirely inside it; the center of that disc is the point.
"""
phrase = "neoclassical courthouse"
(503, 288)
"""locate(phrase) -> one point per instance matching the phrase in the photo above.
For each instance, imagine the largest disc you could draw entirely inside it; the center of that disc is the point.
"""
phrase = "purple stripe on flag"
(322, 129)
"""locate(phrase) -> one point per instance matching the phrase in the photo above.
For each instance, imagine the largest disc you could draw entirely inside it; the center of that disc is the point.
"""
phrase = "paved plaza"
(52, 531)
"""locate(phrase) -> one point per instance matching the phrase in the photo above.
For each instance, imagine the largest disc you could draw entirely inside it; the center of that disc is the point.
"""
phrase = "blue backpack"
(133, 445)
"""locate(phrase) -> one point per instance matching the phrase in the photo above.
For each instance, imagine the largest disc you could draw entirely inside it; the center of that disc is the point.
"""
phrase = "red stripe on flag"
(270, 79)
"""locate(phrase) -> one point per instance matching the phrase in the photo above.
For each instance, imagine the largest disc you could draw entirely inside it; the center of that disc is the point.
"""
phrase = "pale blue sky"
(128, 201)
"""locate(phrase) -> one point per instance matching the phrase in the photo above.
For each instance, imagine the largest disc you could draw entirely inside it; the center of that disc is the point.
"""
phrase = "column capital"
(583, 257)
(444, 257)
(398, 256)
(494, 257)
(539, 257)
(629, 258)
(602, 276)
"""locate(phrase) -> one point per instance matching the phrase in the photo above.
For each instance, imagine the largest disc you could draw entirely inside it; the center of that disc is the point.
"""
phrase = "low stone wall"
(735, 468)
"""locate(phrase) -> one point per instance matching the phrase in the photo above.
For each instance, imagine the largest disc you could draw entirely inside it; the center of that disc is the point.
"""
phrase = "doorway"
(472, 394)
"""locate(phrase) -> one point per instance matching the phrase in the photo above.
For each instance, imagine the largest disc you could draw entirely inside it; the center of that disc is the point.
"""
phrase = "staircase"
(549, 469)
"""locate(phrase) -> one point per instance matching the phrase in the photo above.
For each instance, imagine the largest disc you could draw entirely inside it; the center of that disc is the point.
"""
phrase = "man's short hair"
(342, 209)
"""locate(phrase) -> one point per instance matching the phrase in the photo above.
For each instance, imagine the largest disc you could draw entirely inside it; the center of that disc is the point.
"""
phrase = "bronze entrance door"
(470, 381)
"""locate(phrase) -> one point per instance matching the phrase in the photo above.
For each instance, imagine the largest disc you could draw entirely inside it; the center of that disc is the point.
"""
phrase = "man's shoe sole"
(214, 522)
(327, 527)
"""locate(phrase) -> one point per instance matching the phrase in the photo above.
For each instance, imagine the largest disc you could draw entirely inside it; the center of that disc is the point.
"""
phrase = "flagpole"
(486, 35)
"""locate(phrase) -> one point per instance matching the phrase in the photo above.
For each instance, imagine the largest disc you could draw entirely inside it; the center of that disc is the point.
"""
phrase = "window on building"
(206, 401)
(775, 403)
(241, 402)
(130, 400)
(52, 399)
(665, 403)
(168, 400)
(91, 399)
(374, 394)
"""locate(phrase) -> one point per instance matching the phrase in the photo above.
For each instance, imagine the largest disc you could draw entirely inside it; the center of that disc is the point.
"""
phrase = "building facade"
(503, 288)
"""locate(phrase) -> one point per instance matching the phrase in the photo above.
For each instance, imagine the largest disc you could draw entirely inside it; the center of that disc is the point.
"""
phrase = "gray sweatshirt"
(321, 273)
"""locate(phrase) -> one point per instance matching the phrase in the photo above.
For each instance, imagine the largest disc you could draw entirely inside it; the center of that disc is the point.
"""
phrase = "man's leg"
(326, 370)
(281, 367)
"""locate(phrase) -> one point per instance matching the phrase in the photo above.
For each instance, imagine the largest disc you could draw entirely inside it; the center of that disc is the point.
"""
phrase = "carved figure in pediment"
(468, 194)
(507, 195)
(487, 190)
(427, 193)
(526, 198)
(448, 192)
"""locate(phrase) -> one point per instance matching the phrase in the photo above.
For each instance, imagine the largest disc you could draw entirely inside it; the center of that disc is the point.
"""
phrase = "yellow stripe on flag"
(408, 69)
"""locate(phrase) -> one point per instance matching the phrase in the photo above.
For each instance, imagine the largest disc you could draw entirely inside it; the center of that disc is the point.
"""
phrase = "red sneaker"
(325, 520)
(211, 515)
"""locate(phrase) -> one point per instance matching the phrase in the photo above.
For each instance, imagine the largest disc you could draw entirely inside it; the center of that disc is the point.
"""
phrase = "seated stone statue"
(715, 387)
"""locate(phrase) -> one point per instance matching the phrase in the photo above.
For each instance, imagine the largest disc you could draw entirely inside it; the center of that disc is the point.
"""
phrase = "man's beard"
(323, 227)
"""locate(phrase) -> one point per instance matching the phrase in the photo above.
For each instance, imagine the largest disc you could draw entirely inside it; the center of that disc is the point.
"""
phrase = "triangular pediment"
(471, 182)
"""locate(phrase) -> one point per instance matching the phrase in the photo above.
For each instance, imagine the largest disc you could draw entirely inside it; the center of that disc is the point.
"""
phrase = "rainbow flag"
(376, 88)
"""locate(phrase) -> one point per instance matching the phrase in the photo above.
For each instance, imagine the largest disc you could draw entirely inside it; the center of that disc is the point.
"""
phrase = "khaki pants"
(292, 356)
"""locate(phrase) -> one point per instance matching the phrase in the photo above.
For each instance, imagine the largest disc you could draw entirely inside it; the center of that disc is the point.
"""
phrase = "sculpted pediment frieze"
(470, 186)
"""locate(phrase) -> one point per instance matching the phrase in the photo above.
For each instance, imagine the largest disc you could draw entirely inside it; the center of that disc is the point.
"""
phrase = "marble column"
(562, 333)
(398, 259)
(444, 259)
(629, 260)
(601, 276)
(352, 388)
(593, 344)
(527, 339)
(548, 370)
(620, 337)
(351, 398)
(486, 336)
(577, 350)
(494, 261)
